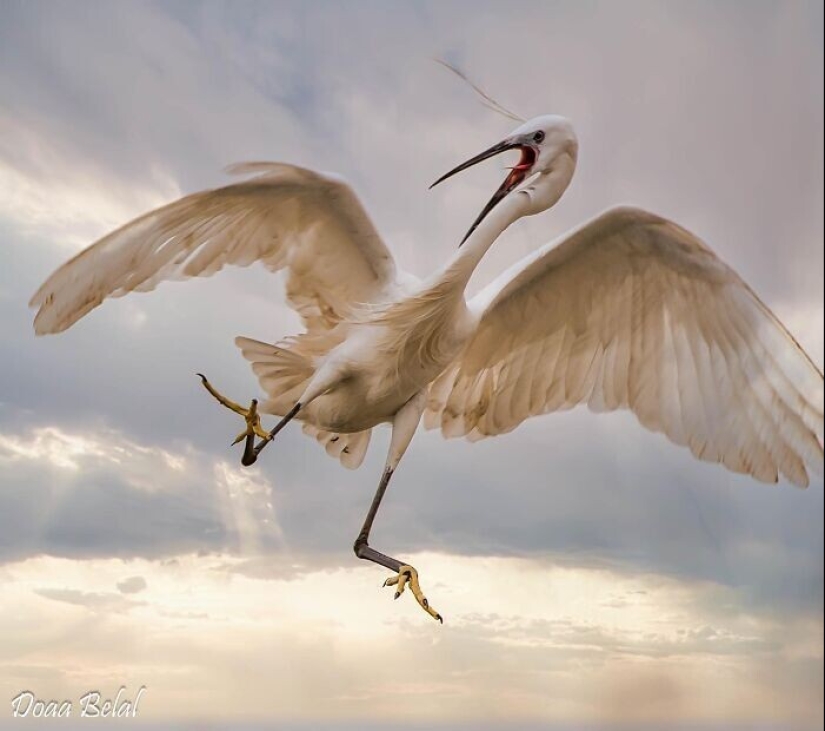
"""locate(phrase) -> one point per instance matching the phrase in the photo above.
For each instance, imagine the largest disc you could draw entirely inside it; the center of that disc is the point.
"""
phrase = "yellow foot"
(408, 576)
(250, 415)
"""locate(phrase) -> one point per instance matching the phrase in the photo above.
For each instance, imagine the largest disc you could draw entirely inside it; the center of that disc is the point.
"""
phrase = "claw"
(402, 583)
(221, 399)
(408, 576)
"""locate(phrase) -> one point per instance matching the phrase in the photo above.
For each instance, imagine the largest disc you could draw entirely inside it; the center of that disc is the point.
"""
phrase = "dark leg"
(250, 453)
(404, 424)
(361, 547)
(406, 574)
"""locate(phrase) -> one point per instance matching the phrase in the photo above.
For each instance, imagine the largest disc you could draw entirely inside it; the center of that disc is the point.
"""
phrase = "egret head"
(549, 150)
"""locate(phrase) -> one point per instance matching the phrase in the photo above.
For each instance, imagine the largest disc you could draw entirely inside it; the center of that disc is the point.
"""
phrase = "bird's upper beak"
(517, 174)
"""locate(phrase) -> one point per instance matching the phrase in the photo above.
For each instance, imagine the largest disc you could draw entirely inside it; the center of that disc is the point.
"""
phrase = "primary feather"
(286, 217)
(633, 312)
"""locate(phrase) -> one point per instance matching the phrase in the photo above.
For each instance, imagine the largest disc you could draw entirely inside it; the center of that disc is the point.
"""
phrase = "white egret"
(629, 311)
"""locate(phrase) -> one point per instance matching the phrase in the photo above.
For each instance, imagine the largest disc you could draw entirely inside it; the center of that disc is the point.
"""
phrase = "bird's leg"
(403, 427)
(324, 379)
(250, 453)
(406, 575)
(253, 423)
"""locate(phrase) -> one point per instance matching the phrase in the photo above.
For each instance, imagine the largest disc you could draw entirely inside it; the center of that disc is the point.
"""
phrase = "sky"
(591, 575)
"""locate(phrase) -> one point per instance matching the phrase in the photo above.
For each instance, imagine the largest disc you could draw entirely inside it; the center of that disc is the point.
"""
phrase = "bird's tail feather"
(282, 371)
(348, 448)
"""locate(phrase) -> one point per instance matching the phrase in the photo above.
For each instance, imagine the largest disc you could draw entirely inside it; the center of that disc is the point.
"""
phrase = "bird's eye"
(538, 137)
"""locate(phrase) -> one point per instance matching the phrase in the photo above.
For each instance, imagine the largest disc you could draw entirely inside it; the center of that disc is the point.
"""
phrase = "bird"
(628, 311)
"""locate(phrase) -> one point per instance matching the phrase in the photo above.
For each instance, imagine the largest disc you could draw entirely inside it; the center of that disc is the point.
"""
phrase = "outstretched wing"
(633, 311)
(310, 224)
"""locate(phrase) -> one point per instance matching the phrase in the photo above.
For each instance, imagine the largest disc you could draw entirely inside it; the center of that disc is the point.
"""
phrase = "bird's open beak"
(517, 174)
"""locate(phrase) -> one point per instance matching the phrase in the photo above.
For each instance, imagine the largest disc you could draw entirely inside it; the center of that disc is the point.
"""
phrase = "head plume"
(486, 99)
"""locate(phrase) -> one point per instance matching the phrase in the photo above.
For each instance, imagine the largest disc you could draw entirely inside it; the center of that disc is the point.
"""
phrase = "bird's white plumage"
(348, 449)
(632, 311)
(286, 217)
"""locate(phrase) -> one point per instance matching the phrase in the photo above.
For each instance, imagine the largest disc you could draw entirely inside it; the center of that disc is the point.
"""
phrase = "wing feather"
(632, 311)
(287, 217)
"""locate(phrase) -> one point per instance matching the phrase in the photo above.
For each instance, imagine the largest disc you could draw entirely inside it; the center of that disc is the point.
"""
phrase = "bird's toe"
(408, 576)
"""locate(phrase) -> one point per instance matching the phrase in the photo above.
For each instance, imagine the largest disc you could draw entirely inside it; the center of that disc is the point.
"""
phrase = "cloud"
(524, 642)
(92, 494)
(93, 601)
(98, 493)
(132, 585)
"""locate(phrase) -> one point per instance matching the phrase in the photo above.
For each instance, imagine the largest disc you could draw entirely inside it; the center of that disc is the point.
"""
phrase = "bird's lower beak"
(516, 175)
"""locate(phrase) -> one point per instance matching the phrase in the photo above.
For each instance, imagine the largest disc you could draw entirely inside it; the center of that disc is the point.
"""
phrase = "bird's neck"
(461, 266)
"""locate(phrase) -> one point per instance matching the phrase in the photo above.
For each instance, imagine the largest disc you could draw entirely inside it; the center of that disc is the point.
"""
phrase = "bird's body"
(379, 366)
(383, 366)
(629, 311)
(375, 362)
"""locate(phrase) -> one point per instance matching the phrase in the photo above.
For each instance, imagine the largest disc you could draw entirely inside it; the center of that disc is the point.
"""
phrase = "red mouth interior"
(519, 171)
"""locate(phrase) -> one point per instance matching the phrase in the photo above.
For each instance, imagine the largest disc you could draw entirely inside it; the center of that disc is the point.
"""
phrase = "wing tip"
(44, 323)
(799, 482)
